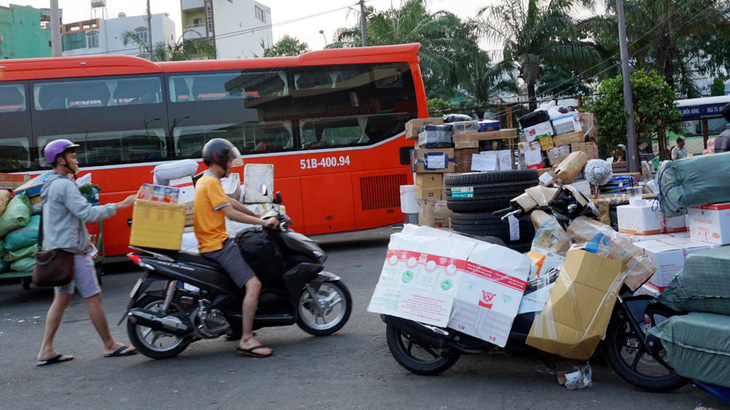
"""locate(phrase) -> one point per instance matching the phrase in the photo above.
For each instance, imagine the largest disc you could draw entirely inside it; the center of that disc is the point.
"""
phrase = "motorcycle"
(636, 356)
(200, 301)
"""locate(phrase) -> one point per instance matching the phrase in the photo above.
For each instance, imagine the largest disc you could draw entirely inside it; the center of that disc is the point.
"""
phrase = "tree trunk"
(531, 95)
(669, 67)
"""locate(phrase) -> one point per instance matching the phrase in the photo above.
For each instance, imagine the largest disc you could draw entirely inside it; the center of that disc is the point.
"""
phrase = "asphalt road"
(351, 369)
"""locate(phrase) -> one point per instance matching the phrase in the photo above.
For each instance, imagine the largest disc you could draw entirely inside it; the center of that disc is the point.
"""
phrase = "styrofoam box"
(668, 255)
(567, 124)
(710, 223)
(646, 220)
(254, 176)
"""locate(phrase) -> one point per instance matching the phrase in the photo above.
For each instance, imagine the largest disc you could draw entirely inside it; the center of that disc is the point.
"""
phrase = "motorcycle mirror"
(277, 198)
(264, 190)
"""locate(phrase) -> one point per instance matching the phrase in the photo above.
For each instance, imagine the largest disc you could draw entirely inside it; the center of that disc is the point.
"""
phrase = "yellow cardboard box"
(579, 307)
(569, 138)
(429, 186)
(486, 135)
(157, 225)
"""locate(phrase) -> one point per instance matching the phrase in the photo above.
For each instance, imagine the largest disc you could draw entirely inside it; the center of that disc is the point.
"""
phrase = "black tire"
(442, 361)
(483, 218)
(133, 331)
(328, 328)
(619, 336)
(493, 191)
(491, 177)
(481, 205)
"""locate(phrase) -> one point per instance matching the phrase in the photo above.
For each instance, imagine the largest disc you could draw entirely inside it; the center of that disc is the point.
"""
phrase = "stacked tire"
(473, 198)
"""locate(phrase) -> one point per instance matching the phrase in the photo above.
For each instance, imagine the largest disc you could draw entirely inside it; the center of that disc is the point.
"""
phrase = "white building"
(238, 27)
(105, 37)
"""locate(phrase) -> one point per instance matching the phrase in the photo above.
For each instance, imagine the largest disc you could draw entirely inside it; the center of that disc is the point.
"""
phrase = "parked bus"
(694, 109)
(331, 122)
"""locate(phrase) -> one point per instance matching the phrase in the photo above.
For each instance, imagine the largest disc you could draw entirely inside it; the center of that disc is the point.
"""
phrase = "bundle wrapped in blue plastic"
(693, 181)
(618, 184)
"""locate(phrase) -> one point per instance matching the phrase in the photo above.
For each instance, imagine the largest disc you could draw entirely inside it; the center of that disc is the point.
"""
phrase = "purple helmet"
(57, 147)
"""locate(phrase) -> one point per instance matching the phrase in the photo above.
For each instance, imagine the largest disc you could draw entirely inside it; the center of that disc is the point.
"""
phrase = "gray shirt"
(65, 214)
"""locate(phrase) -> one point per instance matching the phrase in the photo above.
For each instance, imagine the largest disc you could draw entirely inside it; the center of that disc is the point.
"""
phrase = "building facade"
(24, 32)
(106, 37)
(237, 28)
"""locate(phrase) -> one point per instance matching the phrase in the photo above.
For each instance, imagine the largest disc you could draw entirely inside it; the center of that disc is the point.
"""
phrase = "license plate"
(135, 288)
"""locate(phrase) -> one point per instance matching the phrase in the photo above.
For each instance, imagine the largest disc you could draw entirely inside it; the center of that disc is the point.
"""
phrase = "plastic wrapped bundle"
(23, 237)
(435, 136)
(16, 215)
(598, 172)
(693, 181)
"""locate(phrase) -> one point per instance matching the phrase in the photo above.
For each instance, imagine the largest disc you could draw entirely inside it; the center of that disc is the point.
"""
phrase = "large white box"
(187, 190)
(567, 124)
(468, 285)
(669, 255)
(710, 223)
(647, 220)
(543, 129)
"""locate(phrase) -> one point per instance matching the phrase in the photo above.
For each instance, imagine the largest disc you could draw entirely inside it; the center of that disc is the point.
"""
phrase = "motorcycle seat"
(183, 256)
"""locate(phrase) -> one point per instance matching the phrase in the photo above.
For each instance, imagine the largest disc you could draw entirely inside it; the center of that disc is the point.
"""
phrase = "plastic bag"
(23, 237)
(23, 265)
(28, 252)
(4, 199)
(174, 170)
(549, 235)
(456, 117)
(598, 172)
(262, 255)
(16, 215)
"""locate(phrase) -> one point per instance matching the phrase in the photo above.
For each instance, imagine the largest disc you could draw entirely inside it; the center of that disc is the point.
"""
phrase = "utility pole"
(55, 30)
(632, 156)
(363, 24)
(150, 50)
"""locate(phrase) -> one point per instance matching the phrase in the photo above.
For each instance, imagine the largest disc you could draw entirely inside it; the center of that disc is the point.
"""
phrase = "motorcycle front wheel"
(156, 344)
(325, 312)
(627, 356)
(417, 357)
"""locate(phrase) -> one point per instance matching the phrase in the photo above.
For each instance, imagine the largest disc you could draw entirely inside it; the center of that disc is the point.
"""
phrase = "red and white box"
(647, 220)
(669, 255)
(710, 223)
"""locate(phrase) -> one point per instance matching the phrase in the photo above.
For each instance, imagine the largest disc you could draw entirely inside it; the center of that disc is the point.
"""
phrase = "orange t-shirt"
(209, 221)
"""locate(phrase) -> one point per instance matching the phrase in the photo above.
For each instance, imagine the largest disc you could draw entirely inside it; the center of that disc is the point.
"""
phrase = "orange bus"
(331, 121)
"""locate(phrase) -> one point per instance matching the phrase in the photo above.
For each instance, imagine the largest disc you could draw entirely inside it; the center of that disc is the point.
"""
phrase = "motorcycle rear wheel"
(146, 340)
(335, 307)
(627, 357)
(418, 358)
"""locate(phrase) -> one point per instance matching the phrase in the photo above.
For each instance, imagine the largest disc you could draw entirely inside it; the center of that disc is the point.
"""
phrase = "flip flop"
(118, 352)
(252, 352)
(53, 360)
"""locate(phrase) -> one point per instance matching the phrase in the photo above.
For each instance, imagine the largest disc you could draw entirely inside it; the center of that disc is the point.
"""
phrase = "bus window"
(14, 154)
(12, 98)
(250, 138)
(235, 85)
(114, 147)
(99, 92)
(339, 106)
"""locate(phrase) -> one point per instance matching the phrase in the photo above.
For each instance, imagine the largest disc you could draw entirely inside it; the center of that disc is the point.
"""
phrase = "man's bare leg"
(250, 302)
(98, 318)
(53, 320)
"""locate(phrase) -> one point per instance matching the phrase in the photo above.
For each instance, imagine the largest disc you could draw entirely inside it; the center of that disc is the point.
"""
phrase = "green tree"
(654, 100)
(536, 33)
(182, 50)
(287, 46)
(436, 107)
(718, 87)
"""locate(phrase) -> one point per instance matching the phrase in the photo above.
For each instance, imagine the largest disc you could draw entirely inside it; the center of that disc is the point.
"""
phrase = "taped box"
(468, 285)
(435, 214)
(556, 155)
(569, 138)
(415, 124)
(647, 220)
(546, 143)
(571, 167)
(438, 160)
(157, 225)
(567, 124)
(506, 133)
(186, 196)
(429, 186)
(576, 314)
(463, 159)
(669, 257)
(537, 131)
(590, 148)
(710, 223)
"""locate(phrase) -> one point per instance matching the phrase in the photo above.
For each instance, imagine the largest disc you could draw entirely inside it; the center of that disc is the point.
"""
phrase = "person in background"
(722, 142)
(679, 151)
(65, 212)
(620, 153)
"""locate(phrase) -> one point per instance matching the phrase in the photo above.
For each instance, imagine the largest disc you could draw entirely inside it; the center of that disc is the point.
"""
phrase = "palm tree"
(536, 33)
(183, 49)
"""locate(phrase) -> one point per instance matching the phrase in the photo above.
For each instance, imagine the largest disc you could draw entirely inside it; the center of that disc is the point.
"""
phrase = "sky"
(283, 12)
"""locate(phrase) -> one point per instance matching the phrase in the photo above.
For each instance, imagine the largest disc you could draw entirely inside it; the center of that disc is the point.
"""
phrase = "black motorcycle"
(198, 300)
(635, 355)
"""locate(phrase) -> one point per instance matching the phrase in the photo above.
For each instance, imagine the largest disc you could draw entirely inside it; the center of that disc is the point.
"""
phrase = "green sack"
(23, 237)
(28, 252)
(697, 346)
(4, 266)
(688, 182)
(703, 284)
(23, 265)
(16, 215)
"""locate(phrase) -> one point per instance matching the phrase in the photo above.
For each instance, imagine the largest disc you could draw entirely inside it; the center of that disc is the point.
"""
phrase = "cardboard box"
(465, 127)
(12, 181)
(546, 143)
(466, 144)
(571, 167)
(543, 129)
(486, 136)
(710, 223)
(532, 153)
(186, 196)
(579, 307)
(505, 160)
(33, 186)
(488, 125)
(429, 186)
(556, 155)
(590, 148)
(413, 126)
(668, 257)
(543, 261)
(589, 125)
(647, 220)
(463, 159)
(439, 160)
(567, 139)
(157, 225)
(434, 214)
(566, 124)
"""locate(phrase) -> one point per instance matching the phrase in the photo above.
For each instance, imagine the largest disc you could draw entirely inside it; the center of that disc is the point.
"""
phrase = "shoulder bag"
(54, 267)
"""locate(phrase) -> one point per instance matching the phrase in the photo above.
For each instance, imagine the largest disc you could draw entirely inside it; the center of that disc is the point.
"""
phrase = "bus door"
(15, 131)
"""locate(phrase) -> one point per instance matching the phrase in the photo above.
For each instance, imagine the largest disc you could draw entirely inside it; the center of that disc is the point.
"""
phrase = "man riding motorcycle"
(212, 207)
